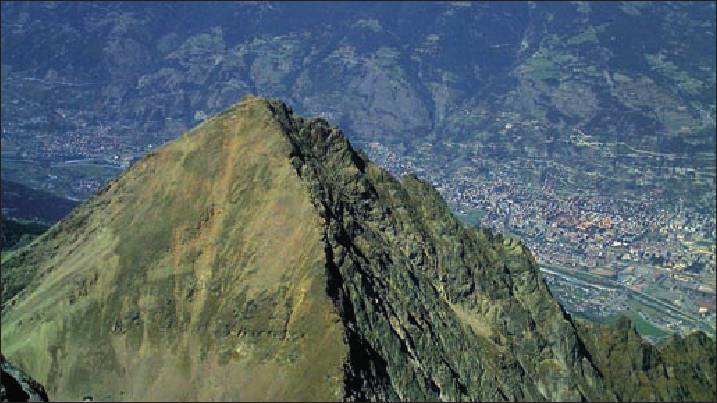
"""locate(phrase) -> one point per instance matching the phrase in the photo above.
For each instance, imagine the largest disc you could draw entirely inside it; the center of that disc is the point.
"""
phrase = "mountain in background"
(18, 233)
(260, 257)
(608, 87)
(28, 204)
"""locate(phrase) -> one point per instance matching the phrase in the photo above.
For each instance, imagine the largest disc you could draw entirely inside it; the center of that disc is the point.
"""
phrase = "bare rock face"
(261, 257)
(16, 386)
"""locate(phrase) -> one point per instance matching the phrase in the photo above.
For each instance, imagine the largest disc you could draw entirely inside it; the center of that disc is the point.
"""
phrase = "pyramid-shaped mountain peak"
(260, 257)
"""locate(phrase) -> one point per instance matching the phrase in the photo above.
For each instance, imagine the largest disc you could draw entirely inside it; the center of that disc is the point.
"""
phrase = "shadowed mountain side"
(15, 386)
(24, 203)
(14, 233)
(678, 369)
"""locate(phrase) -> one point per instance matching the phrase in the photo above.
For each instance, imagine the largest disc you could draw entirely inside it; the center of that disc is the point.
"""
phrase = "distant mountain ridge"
(260, 257)
(628, 75)
(25, 203)
(17, 233)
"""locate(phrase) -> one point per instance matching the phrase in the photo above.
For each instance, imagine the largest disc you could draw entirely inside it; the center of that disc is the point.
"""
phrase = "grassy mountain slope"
(198, 274)
(261, 257)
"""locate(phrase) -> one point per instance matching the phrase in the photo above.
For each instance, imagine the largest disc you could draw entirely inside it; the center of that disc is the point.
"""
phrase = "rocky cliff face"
(679, 369)
(432, 309)
(261, 257)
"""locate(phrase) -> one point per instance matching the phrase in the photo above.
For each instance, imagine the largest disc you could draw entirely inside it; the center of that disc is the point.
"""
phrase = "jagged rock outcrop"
(679, 369)
(16, 386)
(443, 311)
(261, 257)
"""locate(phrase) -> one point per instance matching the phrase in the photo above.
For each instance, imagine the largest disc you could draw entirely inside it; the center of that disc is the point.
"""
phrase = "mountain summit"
(260, 257)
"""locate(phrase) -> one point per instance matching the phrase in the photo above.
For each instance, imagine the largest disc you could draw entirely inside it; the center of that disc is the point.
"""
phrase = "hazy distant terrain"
(586, 129)
(29, 204)
(99, 80)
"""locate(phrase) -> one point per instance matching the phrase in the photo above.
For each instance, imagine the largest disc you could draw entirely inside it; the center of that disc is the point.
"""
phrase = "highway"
(604, 283)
